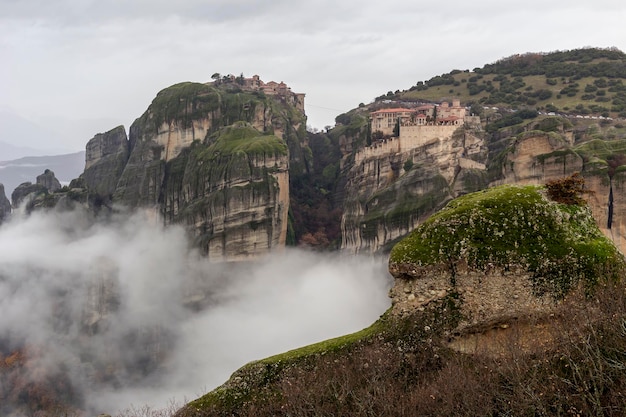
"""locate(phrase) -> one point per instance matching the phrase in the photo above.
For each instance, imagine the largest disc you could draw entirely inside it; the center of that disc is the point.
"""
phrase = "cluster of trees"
(578, 63)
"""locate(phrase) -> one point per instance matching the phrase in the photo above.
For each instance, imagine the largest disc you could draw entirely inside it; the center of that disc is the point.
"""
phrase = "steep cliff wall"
(232, 194)
(213, 157)
(388, 192)
(5, 205)
(105, 158)
(387, 195)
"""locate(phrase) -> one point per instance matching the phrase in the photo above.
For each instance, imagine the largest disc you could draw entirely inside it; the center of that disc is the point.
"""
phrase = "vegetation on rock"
(510, 226)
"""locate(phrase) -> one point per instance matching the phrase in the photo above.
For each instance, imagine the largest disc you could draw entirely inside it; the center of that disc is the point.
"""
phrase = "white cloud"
(51, 286)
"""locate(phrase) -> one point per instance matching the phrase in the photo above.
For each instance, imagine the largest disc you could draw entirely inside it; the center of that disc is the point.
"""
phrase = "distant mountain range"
(65, 167)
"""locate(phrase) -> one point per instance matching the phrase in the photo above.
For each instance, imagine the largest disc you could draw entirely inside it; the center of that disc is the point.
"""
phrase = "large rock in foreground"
(506, 251)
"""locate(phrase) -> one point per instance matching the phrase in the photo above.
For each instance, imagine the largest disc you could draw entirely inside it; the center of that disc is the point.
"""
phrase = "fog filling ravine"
(125, 312)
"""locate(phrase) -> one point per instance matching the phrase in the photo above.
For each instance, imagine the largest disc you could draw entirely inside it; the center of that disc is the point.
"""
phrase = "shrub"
(568, 190)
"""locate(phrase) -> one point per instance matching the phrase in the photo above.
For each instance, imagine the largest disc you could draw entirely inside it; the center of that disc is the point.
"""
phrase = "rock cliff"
(38, 194)
(232, 194)
(388, 193)
(49, 181)
(535, 157)
(105, 158)
(215, 157)
(5, 205)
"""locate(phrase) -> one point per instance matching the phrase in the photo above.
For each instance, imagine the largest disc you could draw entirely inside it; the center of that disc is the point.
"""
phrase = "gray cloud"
(106, 60)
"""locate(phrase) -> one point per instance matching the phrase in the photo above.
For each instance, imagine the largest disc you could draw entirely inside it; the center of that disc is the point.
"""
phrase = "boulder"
(49, 181)
(505, 252)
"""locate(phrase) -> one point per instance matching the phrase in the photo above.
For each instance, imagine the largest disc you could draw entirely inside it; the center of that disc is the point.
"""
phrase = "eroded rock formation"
(482, 276)
(212, 157)
(49, 181)
(105, 158)
(5, 205)
(389, 193)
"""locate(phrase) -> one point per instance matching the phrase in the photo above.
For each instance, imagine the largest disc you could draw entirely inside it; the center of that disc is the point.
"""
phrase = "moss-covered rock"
(511, 227)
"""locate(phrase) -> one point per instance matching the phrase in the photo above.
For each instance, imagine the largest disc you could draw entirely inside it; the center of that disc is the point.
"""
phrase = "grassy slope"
(588, 81)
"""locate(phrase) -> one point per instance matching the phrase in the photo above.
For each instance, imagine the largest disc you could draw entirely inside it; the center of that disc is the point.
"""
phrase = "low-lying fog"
(131, 315)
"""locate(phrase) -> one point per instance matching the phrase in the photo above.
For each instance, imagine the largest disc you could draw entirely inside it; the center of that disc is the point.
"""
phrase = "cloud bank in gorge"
(126, 313)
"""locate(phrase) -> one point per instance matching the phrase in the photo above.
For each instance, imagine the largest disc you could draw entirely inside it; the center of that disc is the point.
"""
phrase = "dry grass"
(581, 373)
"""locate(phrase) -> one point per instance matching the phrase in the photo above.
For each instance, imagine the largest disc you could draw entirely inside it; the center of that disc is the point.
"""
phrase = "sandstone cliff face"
(215, 159)
(233, 194)
(385, 201)
(387, 195)
(5, 205)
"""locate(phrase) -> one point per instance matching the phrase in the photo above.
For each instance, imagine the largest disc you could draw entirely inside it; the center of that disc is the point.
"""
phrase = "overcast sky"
(79, 67)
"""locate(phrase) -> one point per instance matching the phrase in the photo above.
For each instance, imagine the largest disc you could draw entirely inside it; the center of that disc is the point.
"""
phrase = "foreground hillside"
(484, 322)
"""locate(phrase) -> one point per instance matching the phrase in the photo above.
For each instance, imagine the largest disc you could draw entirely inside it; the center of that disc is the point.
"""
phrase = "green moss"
(601, 149)
(510, 225)
(183, 102)
(243, 138)
(558, 155)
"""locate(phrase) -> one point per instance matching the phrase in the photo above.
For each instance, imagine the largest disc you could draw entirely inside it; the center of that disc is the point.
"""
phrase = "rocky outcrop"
(49, 181)
(389, 194)
(212, 157)
(507, 251)
(105, 158)
(25, 189)
(486, 275)
(5, 205)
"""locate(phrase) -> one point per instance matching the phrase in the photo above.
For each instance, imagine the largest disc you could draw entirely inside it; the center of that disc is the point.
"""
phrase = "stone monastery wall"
(411, 137)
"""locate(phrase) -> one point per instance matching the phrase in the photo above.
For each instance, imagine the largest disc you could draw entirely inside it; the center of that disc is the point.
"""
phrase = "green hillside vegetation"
(582, 81)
